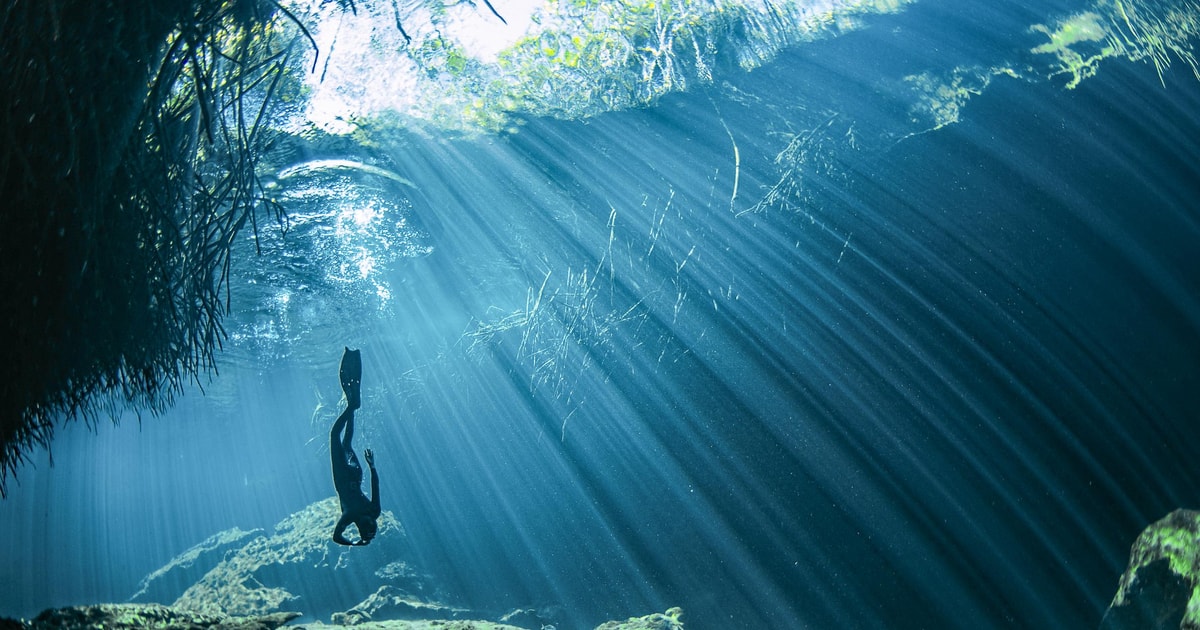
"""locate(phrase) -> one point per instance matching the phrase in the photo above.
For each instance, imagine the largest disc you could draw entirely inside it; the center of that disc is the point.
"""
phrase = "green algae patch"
(1079, 43)
(1085, 27)
(1157, 33)
(939, 100)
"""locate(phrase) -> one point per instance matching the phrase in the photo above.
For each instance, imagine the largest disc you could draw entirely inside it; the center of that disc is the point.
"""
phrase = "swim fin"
(351, 376)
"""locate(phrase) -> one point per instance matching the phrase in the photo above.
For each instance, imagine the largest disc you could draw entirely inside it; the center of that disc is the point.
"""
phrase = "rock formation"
(1157, 590)
(137, 616)
(669, 620)
(159, 617)
(249, 580)
(168, 583)
(298, 567)
(390, 602)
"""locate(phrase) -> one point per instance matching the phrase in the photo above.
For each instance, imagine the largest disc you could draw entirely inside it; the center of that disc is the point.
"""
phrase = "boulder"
(1156, 592)
(392, 603)
(534, 617)
(669, 620)
(138, 616)
(299, 567)
(423, 624)
(168, 583)
(255, 577)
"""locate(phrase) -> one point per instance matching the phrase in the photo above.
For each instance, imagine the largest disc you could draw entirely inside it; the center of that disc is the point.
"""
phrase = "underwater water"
(895, 330)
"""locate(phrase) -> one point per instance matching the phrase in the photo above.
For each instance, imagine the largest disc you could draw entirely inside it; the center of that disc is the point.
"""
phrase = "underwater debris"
(564, 328)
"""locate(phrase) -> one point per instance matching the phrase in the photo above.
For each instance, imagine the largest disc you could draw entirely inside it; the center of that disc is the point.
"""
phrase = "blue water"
(942, 384)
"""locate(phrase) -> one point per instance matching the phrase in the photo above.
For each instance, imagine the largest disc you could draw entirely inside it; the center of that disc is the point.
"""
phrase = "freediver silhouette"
(347, 473)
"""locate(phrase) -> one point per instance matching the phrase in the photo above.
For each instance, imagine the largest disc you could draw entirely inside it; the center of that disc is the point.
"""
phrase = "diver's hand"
(370, 455)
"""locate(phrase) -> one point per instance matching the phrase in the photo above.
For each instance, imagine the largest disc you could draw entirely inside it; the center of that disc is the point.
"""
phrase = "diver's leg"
(348, 437)
(347, 472)
(337, 452)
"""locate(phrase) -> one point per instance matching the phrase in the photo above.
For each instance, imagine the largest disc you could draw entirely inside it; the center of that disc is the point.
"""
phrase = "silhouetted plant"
(132, 131)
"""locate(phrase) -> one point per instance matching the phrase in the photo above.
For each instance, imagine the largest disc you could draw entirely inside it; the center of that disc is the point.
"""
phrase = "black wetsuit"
(347, 478)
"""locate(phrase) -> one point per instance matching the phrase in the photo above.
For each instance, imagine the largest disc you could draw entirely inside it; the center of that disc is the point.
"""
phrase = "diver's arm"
(340, 528)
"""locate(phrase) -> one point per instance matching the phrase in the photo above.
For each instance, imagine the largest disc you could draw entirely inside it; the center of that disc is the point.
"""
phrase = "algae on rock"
(300, 567)
(1161, 586)
(168, 582)
(669, 620)
(140, 616)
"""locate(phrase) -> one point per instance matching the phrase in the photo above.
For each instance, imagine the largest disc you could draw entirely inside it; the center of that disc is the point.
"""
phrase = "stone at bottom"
(138, 616)
(1160, 590)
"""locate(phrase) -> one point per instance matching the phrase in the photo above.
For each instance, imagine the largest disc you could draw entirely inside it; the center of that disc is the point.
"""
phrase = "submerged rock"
(252, 578)
(299, 567)
(390, 602)
(669, 620)
(159, 617)
(131, 616)
(424, 624)
(169, 582)
(542, 617)
(1158, 589)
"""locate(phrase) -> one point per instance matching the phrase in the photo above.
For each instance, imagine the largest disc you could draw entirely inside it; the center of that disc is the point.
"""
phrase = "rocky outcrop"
(669, 620)
(426, 624)
(390, 602)
(159, 617)
(254, 578)
(541, 617)
(138, 616)
(168, 583)
(1158, 589)
(299, 567)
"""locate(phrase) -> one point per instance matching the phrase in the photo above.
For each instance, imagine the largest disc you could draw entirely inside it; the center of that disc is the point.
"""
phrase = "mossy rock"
(669, 620)
(299, 567)
(1161, 586)
(141, 616)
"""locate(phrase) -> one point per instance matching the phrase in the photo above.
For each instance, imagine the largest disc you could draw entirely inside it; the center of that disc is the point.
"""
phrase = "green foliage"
(613, 55)
(579, 58)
